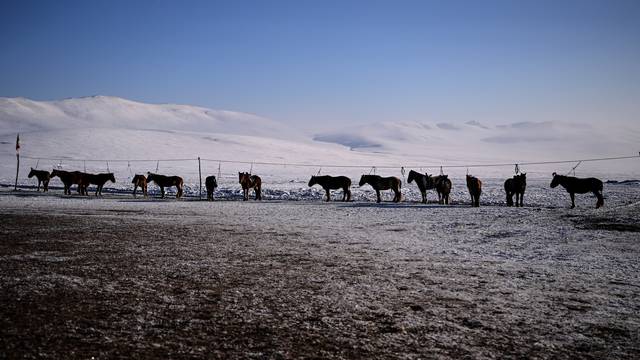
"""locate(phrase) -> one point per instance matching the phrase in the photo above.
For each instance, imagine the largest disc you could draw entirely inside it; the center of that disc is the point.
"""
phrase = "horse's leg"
(347, 194)
(162, 192)
(600, 201)
(378, 199)
(328, 194)
(144, 190)
(38, 188)
(573, 202)
(135, 186)
(258, 192)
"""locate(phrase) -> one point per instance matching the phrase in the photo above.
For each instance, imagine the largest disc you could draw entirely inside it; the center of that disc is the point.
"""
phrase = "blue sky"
(327, 63)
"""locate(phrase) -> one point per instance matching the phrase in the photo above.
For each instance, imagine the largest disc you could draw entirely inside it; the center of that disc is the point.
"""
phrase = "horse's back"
(343, 181)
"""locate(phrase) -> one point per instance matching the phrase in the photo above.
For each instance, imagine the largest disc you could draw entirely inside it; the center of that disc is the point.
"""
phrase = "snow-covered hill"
(477, 142)
(20, 114)
(103, 127)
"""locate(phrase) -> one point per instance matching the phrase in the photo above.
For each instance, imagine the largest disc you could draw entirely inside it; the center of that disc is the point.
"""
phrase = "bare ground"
(123, 279)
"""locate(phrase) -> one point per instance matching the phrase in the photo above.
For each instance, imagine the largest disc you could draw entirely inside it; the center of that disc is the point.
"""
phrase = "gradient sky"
(315, 64)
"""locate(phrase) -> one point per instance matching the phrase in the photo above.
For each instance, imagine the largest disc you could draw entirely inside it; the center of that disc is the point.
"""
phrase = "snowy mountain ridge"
(21, 114)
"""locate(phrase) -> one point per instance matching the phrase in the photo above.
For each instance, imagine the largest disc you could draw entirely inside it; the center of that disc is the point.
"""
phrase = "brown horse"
(442, 184)
(166, 181)
(96, 179)
(475, 189)
(421, 181)
(516, 186)
(249, 181)
(139, 181)
(69, 178)
(43, 177)
(383, 183)
(329, 183)
(211, 183)
(575, 185)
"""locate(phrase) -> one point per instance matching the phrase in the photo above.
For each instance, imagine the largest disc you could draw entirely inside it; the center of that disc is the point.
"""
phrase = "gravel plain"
(148, 278)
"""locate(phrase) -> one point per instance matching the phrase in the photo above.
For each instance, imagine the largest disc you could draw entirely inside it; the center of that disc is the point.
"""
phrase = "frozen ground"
(118, 277)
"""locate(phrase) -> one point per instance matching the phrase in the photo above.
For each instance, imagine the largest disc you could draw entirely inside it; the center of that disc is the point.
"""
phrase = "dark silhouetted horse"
(329, 183)
(139, 181)
(43, 178)
(96, 179)
(475, 190)
(421, 181)
(166, 181)
(442, 184)
(249, 181)
(383, 183)
(575, 185)
(211, 183)
(516, 186)
(69, 178)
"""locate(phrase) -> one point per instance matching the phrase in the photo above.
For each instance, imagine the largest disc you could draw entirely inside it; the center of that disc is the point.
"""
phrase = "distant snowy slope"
(63, 133)
(474, 141)
(20, 114)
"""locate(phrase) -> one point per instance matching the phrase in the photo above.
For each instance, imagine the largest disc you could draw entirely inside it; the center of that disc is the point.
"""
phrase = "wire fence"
(328, 165)
(195, 169)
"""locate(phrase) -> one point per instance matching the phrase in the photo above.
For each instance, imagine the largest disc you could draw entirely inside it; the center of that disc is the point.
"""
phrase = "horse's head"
(244, 177)
(363, 180)
(54, 173)
(150, 176)
(411, 177)
(313, 181)
(556, 180)
(32, 173)
(111, 177)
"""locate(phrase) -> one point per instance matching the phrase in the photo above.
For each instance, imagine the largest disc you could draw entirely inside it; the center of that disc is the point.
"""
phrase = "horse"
(421, 181)
(475, 189)
(575, 185)
(329, 183)
(166, 181)
(516, 186)
(139, 181)
(69, 178)
(43, 177)
(249, 181)
(211, 184)
(383, 183)
(442, 184)
(96, 179)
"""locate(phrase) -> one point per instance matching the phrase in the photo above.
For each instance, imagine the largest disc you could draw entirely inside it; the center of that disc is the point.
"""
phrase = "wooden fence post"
(200, 174)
